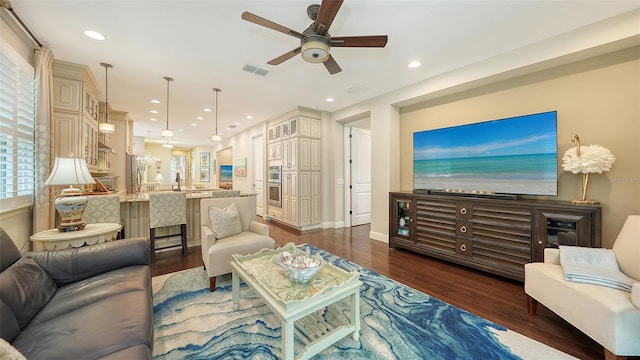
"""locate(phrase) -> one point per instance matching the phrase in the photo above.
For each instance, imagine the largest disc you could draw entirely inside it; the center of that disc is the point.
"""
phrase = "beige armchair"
(608, 315)
(230, 229)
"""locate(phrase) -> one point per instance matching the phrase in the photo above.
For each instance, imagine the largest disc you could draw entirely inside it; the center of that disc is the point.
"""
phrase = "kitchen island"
(134, 211)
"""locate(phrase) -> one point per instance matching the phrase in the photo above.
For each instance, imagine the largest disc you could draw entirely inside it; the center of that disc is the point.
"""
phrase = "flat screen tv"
(226, 173)
(517, 156)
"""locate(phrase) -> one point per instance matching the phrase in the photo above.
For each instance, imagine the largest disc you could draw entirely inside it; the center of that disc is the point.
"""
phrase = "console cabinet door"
(573, 227)
(401, 224)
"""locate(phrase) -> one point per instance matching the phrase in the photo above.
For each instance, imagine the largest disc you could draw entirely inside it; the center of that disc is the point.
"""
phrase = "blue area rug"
(398, 322)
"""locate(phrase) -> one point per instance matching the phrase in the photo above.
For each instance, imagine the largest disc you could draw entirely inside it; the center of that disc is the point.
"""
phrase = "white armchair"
(609, 316)
(227, 235)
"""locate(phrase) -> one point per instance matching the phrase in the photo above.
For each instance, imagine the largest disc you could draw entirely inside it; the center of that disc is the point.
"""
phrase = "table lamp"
(587, 160)
(71, 203)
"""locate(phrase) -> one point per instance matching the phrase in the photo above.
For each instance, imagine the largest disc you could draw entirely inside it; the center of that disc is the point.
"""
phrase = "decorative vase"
(70, 205)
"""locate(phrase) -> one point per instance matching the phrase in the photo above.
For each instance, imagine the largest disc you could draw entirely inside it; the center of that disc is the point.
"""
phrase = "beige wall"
(598, 99)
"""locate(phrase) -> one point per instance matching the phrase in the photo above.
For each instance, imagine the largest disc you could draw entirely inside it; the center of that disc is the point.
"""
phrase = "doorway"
(357, 173)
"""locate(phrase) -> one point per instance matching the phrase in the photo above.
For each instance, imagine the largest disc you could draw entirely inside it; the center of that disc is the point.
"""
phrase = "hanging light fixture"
(216, 137)
(167, 133)
(105, 126)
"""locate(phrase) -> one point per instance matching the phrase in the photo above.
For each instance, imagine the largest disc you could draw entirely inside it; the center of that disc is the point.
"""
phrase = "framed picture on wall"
(240, 167)
(205, 160)
(204, 175)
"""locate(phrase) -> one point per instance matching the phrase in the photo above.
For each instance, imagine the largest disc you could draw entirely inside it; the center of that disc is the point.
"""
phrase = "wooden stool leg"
(183, 234)
(152, 243)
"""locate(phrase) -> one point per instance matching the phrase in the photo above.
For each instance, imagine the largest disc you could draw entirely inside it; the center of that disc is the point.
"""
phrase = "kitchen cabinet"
(75, 112)
(301, 168)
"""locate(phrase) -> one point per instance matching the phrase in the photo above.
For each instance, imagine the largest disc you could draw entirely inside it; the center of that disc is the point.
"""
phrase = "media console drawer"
(494, 235)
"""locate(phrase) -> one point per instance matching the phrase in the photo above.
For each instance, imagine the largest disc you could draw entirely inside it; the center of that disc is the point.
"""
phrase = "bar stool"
(167, 209)
(103, 209)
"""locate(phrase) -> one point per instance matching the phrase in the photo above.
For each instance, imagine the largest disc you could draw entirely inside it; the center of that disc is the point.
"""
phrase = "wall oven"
(274, 186)
(274, 194)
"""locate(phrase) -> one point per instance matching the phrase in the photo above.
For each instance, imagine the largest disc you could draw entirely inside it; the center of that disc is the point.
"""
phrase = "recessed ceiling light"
(153, 119)
(155, 101)
(199, 118)
(181, 130)
(194, 124)
(237, 124)
(329, 99)
(94, 35)
(248, 117)
(154, 111)
(207, 110)
(414, 64)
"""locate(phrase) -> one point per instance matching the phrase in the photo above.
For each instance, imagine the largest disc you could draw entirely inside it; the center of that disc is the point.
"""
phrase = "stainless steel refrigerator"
(133, 175)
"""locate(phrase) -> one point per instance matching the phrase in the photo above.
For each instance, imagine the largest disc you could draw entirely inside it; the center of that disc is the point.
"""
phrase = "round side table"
(53, 239)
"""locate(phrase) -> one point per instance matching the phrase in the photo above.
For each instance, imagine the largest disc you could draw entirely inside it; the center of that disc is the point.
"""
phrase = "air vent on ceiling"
(255, 70)
(233, 126)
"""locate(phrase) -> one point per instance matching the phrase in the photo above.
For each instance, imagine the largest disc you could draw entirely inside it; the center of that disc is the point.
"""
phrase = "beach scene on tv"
(507, 156)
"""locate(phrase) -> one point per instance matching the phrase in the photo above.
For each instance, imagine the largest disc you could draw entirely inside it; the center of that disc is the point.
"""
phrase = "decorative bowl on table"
(299, 266)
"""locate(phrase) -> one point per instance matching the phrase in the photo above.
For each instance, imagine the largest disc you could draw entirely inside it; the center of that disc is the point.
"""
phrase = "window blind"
(17, 129)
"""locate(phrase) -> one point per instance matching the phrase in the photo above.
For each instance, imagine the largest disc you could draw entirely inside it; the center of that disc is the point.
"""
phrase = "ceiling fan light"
(216, 137)
(315, 49)
(166, 133)
(107, 128)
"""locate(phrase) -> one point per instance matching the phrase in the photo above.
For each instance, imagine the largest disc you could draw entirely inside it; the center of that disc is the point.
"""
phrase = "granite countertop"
(191, 194)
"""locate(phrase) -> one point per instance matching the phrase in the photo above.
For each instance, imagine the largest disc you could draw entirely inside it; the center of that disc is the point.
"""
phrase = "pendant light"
(105, 126)
(216, 137)
(167, 133)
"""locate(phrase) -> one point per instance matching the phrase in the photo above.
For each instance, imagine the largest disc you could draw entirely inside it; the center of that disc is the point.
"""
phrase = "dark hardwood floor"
(492, 297)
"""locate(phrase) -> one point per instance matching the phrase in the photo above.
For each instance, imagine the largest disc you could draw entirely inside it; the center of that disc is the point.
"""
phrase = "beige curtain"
(43, 211)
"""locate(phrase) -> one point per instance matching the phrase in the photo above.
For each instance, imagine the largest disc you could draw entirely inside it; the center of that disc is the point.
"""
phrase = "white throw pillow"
(224, 222)
(8, 352)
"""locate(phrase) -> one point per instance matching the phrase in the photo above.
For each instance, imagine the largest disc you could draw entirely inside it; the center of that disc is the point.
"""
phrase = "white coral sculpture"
(592, 159)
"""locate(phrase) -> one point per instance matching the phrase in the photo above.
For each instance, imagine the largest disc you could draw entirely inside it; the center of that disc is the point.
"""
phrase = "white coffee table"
(54, 239)
(297, 305)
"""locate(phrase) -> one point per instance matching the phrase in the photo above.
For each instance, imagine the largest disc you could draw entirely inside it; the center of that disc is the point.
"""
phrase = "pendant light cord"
(106, 89)
(168, 80)
(216, 91)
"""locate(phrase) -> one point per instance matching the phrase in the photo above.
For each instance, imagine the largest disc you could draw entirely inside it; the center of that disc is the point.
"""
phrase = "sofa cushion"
(224, 222)
(93, 290)
(94, 331)
(627, 247)
(26, 288)
(9, 327)
(9, 253)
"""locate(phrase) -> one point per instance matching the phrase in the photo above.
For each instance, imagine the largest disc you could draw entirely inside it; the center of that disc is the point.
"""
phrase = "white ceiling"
(204, 44)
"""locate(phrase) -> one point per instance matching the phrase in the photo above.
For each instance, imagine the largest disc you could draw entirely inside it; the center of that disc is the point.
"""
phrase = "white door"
(258, 173)
(360, 176)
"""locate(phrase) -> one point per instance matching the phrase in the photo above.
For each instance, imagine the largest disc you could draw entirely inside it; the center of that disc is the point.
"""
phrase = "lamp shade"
(216, 137)
(69, 171)
(315, 49)
(107, 128)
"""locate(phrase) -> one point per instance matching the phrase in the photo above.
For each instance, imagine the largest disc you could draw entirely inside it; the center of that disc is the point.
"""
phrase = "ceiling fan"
(315, 41)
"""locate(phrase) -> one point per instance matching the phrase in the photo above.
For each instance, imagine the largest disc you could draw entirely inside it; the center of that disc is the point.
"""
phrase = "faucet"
(178, 181)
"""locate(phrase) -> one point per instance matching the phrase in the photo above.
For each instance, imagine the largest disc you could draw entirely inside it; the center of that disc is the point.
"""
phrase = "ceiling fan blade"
(332, 65)
(326, 14)
(270, 24)
(284, 57)
(359, 41)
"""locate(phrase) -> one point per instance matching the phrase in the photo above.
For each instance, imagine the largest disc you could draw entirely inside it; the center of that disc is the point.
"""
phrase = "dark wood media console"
(494, 235)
